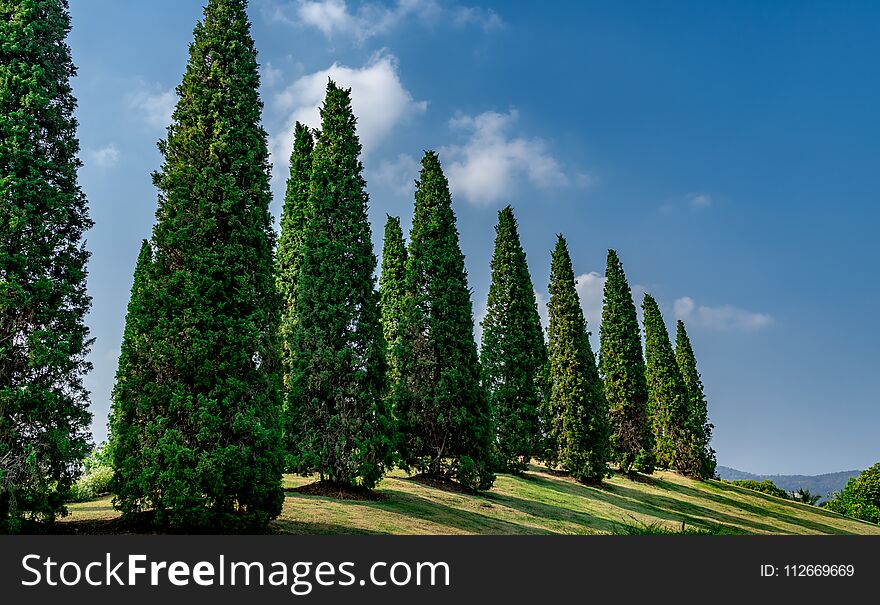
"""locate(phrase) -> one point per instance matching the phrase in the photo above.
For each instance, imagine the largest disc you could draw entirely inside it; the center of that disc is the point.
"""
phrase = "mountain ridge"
(824, 484)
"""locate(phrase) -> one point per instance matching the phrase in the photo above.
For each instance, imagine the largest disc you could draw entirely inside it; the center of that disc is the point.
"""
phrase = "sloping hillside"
(539, 502)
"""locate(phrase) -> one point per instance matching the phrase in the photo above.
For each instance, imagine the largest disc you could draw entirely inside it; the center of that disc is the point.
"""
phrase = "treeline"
(242, 359)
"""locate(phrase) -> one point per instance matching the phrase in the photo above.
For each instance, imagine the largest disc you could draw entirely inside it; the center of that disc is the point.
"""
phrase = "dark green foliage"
(197, 406)
(338, 381)
(860, 498)
(513, 356)
(623, 372)
(702, 464)
(44, 415)
(667, 395)
(443, 409)
(806, 496)
(135, 379)
(581, 427)
(765, 487)
(288, 257)
(392, 286)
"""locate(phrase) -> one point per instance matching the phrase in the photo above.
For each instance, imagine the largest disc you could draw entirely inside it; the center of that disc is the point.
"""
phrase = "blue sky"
(728, 151)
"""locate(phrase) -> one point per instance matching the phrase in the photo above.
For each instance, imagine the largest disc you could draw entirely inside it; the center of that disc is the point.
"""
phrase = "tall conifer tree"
(623, 372)
(513, 356)
(208, 422)
(288, 257)
(442, 407)
(392, 287)
(582, 429)
(134, 379)
(44, 341)
(667, 395)
(339, 376)
(703, 463)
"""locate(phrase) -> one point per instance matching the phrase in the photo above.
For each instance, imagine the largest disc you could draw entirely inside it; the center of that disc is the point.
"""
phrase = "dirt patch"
(639, 478)
(339, 491)
(444, 483)
(143, 524)
(553, 472)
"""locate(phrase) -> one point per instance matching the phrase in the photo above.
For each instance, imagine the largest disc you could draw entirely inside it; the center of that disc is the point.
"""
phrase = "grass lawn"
(540, 502)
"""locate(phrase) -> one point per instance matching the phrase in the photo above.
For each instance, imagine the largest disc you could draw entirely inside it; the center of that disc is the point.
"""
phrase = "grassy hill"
(539, 502)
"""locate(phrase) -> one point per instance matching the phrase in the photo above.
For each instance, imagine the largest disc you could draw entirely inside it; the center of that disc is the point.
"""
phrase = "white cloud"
(399, 174)
(105, 157)
(699, 200)
(490, 164)
(378, 99)
(270, 76)
(370, 19)
(725, 317)
(590, 288)
(487, 19)
(153, 104)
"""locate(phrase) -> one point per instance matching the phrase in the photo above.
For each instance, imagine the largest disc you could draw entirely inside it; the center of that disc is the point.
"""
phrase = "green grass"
(539, 502)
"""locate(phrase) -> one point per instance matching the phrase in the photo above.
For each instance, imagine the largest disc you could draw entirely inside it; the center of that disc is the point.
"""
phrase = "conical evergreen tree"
(288, 257)
(339, 377)
(44, 415)
(702, 464)
(513, 356)
(208, 423)
(582, 430)
(134, 379)
(392, 286)
(623, 372)
(443, 410)
(667, 394)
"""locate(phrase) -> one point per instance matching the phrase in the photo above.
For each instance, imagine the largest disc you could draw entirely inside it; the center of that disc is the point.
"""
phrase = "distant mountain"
(818, 484)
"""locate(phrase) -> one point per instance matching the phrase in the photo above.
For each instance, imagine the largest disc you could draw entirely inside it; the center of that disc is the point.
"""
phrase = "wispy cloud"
(724, 317)
(695, 201)
(699, 200)
(378, 98)
(491, 163)
(105, 157)
(398, 174)
(335, 18)
(269, 75)
(153, 104)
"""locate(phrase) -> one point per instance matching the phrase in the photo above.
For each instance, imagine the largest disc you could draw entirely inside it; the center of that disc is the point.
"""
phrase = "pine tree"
(392, 287)
(667, 394)
(702, 465)
(208, 422)
(339, 377)
(623, 371)
(582, 429)
(442, 408)
(513, 356)
(288, 257)
(44, 415)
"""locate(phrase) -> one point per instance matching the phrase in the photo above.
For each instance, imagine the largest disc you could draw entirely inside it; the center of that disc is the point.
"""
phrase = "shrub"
(97, 477)
(96, 482)
(860, 498)
(765, 487)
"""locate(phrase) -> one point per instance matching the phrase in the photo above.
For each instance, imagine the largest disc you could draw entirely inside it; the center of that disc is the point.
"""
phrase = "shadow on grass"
(712, 495)
(417, 507)
(662, 507)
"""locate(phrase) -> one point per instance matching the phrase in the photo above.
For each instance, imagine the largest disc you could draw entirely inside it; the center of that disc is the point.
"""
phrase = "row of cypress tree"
(240, 361)
(553, 402)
